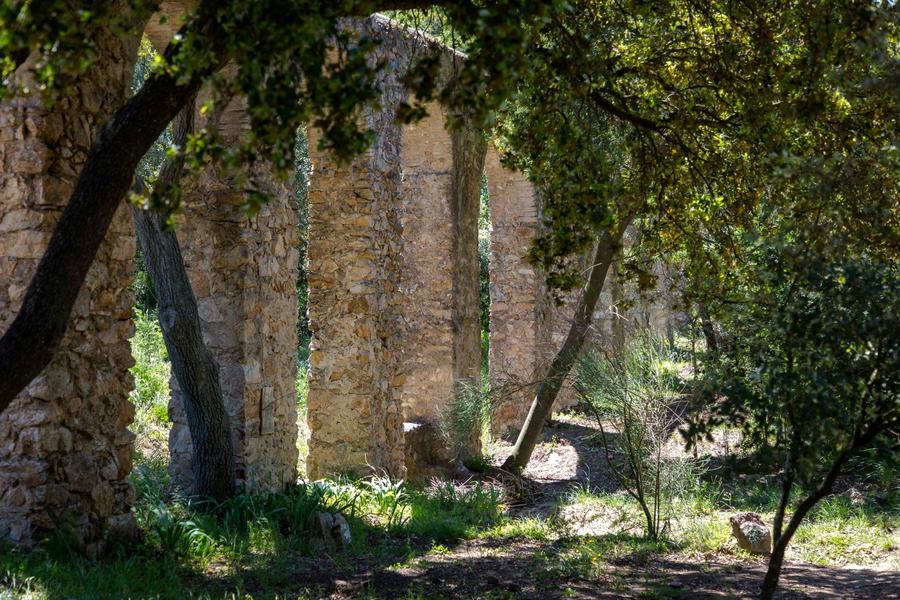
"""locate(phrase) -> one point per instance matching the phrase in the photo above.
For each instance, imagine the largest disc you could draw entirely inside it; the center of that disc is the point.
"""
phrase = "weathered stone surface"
(427, 268)
(243, 272)
(427, 453)
(439, 268)
(64, 450)
(393, 276)
(751, 533)
(244, 278)
(519, 347)
(334, 529)
(355, 311)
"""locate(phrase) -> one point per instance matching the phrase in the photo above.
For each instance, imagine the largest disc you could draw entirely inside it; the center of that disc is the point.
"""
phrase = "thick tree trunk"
(34, 336)
(607, 246)
(194, 366)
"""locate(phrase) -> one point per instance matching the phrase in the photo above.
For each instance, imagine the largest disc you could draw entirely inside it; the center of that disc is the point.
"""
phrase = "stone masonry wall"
(439, 279)
(518, 348)
(393, 281)
(244, 274)
(354, 409)
(469, 152)
(427, 269)
(355, 312)
(65, 450)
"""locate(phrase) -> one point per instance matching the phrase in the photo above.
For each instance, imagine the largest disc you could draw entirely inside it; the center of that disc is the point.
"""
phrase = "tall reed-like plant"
(636, 398)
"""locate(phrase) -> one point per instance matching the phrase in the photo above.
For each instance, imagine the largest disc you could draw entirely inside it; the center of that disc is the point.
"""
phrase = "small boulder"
(341, 531)
(426, 453)
(751, 533)
(335, 529)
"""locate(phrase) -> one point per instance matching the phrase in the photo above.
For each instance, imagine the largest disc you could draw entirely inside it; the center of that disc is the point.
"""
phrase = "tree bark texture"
(193, 364)
(607, 247)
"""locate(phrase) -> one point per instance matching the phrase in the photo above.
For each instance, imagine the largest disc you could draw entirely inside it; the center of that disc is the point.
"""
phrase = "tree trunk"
(709, 331)
(607, 246)
(34, 336)
(773, 572)
(195, 368)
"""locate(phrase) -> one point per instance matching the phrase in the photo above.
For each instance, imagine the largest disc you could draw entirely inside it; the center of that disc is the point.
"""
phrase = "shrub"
(638, 394)
(464, 420)
(178, 535)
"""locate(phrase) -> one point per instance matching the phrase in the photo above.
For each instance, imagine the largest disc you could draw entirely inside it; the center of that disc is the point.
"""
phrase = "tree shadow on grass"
(569, 456)
(613, 566)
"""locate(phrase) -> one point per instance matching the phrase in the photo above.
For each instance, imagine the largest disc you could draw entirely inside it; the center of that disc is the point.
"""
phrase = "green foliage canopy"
(686, 114)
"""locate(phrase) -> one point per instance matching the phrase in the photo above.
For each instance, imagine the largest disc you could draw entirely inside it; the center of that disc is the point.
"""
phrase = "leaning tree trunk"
(195, 368)
(607, 246)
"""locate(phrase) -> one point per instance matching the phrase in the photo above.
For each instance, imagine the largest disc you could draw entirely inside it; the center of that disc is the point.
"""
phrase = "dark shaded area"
(526, 569)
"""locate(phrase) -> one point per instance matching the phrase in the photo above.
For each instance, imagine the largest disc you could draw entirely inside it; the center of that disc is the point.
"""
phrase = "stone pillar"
(469, 151)
(354, 409)
(244, 275)
(427, 268)
(440, 286)
(392, 334)
(518, 300)
(65, 450)
(243, 272)
(441, 186)
(355, 310)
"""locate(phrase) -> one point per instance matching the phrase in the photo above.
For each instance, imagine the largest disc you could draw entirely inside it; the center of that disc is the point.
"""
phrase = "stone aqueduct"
(393, 299)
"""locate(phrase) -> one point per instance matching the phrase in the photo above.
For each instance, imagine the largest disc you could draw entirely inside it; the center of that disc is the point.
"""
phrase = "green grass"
(530, 528)
(127, 574)
(151, 372)
(258, 541)
(301, 386)
(840, 532)
(183, 552)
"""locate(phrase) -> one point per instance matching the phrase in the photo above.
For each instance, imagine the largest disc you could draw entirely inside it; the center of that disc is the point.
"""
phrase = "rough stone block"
(751, 533)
